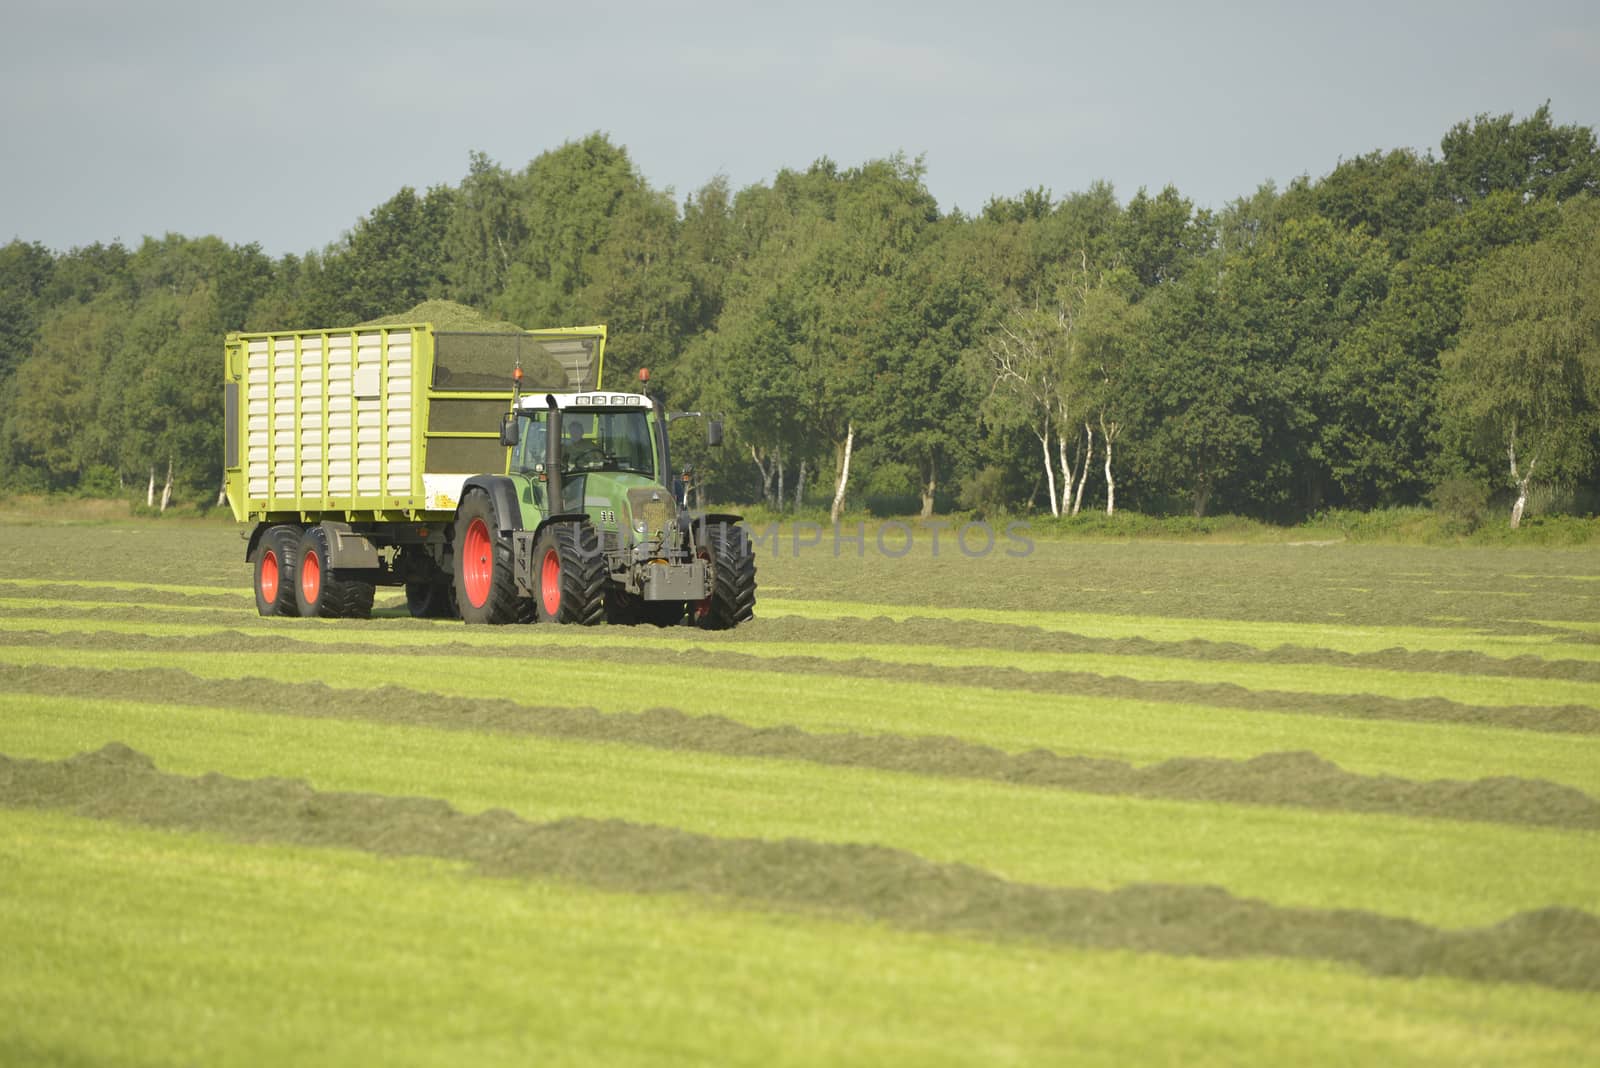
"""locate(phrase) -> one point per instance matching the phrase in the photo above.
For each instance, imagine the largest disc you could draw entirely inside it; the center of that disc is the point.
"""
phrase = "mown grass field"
(1105, 802)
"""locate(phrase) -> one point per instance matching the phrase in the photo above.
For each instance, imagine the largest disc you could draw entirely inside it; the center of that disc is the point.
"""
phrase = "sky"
(284, 123)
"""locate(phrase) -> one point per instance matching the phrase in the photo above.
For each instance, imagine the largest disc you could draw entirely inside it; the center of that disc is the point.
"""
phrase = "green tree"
(1022, 364)
(1208, 390)
(1392, 196)
(1159, 237)
(25, 271)
(1533, 159)
(566, 200)
(819, 253)
(1525, 378)
(50, 425)
(637, 284)
(1111, 335)
(389, 261)
(88, 272)
(923, 411)
(708, 246)
(486, 233)
(1033, 365)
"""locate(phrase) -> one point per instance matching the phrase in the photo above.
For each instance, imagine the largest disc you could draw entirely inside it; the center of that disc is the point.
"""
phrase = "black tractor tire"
(431, 600)
(319, 592)
(728, 552)
(274, 566)
(486, 588)
(664, 613)
(629, 610)
(569, 574)
(621, 607)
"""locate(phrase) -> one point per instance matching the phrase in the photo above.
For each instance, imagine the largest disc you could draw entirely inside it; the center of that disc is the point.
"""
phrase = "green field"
(1105, 802)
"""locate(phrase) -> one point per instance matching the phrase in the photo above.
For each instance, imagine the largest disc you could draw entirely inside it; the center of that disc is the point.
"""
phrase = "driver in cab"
(579, 450)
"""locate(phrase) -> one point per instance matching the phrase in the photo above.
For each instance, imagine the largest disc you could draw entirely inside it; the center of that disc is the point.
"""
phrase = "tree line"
(1406, 329)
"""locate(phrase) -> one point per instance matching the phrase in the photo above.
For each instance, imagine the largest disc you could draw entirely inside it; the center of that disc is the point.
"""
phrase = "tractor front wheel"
(728, 553)
(569, 574)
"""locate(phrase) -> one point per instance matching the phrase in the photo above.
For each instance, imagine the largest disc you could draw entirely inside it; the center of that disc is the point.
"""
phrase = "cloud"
(855, 62)
(1580, 43)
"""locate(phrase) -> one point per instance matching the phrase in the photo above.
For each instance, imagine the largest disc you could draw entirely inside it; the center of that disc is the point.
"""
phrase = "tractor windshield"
(594, 439)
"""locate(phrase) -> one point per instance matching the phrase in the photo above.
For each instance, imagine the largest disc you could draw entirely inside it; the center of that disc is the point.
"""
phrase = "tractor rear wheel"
(275, 559)
(486, 589)
(728, 553)
(569, 574)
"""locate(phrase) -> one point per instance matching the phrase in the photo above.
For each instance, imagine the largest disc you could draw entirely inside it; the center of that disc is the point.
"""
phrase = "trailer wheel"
(319, 592)
(569, 574)
(486, 589)
(431, 600)
(356, 599)
(727, 551)
(275, 559)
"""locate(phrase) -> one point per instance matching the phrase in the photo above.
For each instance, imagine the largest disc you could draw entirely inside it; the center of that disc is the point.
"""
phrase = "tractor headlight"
(651, 509)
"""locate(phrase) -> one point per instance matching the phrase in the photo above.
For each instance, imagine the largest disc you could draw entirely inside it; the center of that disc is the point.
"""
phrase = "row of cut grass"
(1296, 678)
(197, 950)
(1262, 634)
(1439, 871)
(1140, 732)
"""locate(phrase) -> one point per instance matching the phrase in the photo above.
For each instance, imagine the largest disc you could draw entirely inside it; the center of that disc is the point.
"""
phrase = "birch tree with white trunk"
(844, 473)
(1110, 328)
(1024, 363)
(1524, 379)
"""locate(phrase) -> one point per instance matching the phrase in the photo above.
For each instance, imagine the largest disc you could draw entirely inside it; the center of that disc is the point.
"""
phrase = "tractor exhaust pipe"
(552, 456)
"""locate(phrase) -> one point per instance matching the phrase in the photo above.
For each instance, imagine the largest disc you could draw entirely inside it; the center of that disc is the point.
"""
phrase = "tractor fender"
(525, 541)
(717, 517)
(559, 517)
(503, 495)
(523, 544)
(700, 522)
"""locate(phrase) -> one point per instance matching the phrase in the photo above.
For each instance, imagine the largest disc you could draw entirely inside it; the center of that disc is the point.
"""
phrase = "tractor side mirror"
(714, 432)
(508, 428)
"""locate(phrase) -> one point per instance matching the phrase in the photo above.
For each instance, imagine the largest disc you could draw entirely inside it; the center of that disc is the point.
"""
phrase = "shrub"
(1462, 504)
(984, 494)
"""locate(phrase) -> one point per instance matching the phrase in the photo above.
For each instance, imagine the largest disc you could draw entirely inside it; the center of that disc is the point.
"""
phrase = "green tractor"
(585, 525)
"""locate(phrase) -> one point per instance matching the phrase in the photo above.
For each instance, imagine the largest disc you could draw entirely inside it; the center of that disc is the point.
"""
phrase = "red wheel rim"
(477, 563)
(269, 577)
(550, 582)
(311, 577)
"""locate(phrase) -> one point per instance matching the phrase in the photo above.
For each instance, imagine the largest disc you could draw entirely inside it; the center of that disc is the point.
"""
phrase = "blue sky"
(283, 124)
